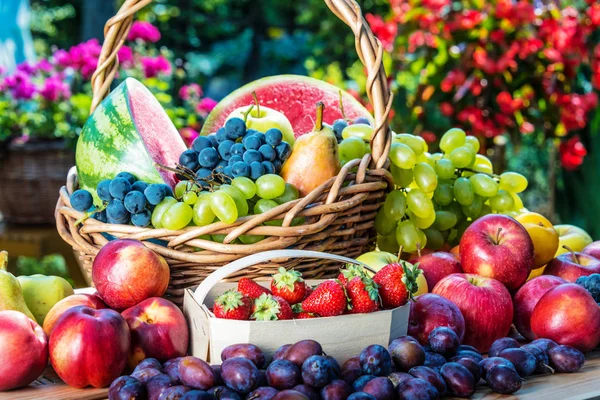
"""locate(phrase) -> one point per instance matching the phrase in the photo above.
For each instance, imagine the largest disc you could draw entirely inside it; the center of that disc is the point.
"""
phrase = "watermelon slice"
(128, 132)
(293, 95)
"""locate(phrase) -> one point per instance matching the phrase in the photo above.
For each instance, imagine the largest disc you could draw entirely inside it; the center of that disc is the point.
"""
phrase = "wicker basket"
(30, 175)
(339, 214)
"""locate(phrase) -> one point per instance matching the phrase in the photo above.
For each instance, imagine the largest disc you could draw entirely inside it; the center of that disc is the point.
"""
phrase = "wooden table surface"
(582, 385)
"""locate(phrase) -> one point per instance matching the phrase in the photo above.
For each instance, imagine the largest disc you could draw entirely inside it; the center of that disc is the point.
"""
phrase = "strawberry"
(289, 285)
(232, 305)
(397, 283)
(271, 308)
(349, 272)
(327, 300)
(249, 288)
(304, 315)
(363, 294)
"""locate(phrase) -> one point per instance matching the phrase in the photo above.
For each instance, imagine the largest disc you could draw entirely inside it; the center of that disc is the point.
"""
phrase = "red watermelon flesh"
(293, 95)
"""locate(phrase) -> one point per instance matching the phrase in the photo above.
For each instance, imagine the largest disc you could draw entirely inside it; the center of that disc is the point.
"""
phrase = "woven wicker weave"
(339, 214)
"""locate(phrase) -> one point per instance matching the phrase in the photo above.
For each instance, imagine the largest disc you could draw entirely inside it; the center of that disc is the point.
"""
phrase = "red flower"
(435, 5)
(446, 109)
(385, 31)
(428, 136)
(497, 36)
(594, 13)
(454, 78)
(466, 20)
(507, 104)
(572, 153)
(418, 39)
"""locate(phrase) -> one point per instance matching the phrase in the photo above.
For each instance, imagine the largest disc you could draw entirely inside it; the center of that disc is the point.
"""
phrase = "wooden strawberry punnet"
(338, 214)
(344, 336)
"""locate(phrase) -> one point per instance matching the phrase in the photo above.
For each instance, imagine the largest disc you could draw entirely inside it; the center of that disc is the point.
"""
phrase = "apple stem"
(400, 253)
(248, 112)
(319, 121)
(342, 106)
(419, 249)
(570, 250)
(3, 260)
(256, 103)
(498, 235)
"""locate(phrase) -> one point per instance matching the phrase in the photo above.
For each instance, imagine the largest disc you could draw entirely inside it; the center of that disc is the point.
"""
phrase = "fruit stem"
(319, 121)
(88, 214)
(400, 253)
(257, 103)
(498, 235)
(419, 249)
(342, 106)
(3, 260)
(461, 170)
(248, 112)
(570, 250)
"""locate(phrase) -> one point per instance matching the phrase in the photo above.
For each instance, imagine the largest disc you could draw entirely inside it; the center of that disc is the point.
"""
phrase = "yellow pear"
(11, 296)
(42, 292)
(314, 158)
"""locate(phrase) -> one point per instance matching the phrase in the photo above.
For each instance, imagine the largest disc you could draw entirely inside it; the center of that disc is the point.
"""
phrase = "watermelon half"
(128, 132)
(295, 96)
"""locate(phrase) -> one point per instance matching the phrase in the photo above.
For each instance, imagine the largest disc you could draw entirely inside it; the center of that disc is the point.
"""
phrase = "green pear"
(11, 296)
(263, 118)
(42, 292)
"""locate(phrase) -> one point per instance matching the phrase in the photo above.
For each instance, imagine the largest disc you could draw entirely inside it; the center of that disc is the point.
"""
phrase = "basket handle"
(249, 261)
(368, 47)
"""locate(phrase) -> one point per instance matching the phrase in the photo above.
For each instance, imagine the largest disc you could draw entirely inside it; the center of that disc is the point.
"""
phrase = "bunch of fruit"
(353, 292)
(437, 196)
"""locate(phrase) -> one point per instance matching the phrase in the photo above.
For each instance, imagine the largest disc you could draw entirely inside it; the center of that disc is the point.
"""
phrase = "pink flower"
(188, 135)
(84, 57)
(125, 55)
(26, 68)
(44, 65)
(435, 5)
(55, 89)
(153, 66)
(144, 31)
(385, 31)
(20, 86)
(192, 90)
(206, 105)
(62, 58)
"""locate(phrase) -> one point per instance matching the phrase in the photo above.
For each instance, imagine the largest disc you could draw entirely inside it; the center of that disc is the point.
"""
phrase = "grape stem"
(342, 106)
(257, 103)
(400, 253)
(461, 170)
(248, 112)
(88, 214)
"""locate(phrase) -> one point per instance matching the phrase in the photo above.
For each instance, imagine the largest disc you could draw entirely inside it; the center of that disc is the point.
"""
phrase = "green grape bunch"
(437, 196)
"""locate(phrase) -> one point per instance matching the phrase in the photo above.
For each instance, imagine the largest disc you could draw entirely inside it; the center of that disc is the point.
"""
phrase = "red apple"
(568, 315)
(89, 347)
(429, 311)
(89, 300)
(571, 266)
(497, 246)
(158, 330)
(484, 303)
(125, 272)
(526, 299)
(592, 249)
(437, 265)
(23, 350)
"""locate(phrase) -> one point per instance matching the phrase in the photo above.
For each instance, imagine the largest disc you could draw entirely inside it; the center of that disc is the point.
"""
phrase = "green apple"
(264, 118)
(379, 259)
(42, 292)
(571, 236)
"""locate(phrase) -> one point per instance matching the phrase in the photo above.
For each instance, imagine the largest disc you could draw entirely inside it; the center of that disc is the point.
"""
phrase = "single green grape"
(402, 177)
(223, 206)
(264, 205)
(452, 139)
(437, 157)
(351, 148)
(456, 208)
(270, 186)
(473, 143)
(426, 158)
(435, 239)
(463, 191)
(251, 239)
(190, 198)
(422, 243)
(443, 194)
(425, 177)
(483, 164)
(180, 189)
(444, 168)
(388, 243)
(402, 156)
(395, 205)
(178, 216)
(485, 210)
(240, 200)
(419, 203)
(462, 157)
(416, 143)
(407, 236)
(361, 131)
(244, 185)
(422, 223)
(518, 203)
(474, 209)
(289, 194)
(444, 220)
(203, 214)
(484, 185)
(501, 202)
(513, 182)
(384, 224)
(462, 227)
(160, 209)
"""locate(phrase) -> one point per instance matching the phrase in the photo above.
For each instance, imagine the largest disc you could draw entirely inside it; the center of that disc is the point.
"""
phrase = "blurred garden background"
(523, 76)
